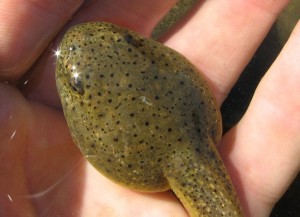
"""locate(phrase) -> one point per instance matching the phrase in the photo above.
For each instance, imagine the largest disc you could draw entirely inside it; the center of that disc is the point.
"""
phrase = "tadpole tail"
(203, 185)
(172, 17)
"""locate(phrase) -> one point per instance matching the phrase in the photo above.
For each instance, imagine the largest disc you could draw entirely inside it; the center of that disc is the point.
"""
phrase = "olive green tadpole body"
(172, 17)
(143, 116)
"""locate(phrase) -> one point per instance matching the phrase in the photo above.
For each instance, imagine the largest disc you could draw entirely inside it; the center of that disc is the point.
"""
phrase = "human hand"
(42, 173)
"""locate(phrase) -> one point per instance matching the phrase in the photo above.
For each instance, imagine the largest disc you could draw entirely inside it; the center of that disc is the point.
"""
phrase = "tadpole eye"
(77, 84)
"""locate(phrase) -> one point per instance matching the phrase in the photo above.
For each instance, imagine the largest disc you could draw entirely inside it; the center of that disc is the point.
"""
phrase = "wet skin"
(143, 116)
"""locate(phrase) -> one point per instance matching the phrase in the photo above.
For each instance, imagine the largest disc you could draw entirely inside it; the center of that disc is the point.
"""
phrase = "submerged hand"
(44, 174)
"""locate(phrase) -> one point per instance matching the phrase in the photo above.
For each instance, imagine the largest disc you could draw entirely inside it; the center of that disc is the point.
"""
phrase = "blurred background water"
(239, 98)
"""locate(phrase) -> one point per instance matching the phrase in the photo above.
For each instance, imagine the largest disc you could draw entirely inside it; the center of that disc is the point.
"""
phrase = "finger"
(55, 167)
(221, 37)
(263, 150)
(26, 28)
(40, 166)
(13, 182)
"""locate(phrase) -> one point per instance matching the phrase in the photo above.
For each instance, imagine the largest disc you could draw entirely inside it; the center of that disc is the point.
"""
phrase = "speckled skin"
(143, 116)
(172, 17)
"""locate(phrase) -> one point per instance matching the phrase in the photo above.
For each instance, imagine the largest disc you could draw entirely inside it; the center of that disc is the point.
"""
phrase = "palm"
(44, 174)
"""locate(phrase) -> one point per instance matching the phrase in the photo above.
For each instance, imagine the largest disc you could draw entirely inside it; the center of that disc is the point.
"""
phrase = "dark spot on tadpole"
(128, 38)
